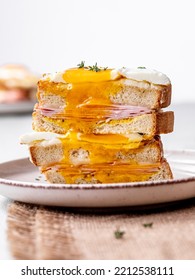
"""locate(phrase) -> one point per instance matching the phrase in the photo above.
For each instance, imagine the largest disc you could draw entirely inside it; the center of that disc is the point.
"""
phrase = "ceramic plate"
(20, 180)
(17, 107)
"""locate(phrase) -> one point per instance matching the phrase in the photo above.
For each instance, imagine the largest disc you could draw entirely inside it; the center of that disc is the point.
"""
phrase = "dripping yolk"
(83, 75)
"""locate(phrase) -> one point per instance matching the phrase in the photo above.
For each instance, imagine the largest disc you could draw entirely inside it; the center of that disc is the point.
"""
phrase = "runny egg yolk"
(100, 148)
(83, 75)
(110, 139)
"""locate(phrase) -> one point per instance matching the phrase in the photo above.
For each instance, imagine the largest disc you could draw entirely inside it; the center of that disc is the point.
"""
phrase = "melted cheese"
(90, 126)
(107, 173)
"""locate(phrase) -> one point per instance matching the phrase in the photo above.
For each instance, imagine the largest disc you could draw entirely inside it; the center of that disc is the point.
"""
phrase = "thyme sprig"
(94, 67)
(119, 234)
(81, 65)
(148, 225)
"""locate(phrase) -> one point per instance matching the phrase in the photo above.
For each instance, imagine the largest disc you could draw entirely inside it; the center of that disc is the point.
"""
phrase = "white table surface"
(12, 126)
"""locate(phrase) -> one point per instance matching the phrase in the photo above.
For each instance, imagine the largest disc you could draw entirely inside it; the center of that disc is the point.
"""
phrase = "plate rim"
(104, 186)
(17, 107)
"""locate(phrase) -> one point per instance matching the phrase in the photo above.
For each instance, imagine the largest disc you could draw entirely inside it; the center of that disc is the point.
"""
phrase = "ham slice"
(96, 111)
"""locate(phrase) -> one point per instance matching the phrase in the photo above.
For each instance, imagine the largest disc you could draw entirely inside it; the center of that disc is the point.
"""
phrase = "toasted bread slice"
(118, 174)
(44, 153)
(146, 125)
(123, 91)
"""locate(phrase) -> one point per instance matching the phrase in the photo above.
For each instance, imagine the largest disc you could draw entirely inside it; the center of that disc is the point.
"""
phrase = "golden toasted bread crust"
(147, 124)
(165, 122)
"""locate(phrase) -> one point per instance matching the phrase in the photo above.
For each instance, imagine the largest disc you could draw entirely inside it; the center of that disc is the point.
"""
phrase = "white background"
(50, 35)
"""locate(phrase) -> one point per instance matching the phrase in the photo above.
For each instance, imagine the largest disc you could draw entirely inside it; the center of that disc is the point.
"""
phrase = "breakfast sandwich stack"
(99, 125)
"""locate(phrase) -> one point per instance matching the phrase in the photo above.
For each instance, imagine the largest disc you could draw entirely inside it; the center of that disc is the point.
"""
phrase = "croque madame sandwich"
(100, 125)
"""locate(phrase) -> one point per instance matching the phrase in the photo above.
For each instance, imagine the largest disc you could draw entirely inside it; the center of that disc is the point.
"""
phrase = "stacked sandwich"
(100, 125)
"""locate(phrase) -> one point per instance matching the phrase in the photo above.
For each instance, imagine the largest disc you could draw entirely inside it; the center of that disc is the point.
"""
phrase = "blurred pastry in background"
(17, 83)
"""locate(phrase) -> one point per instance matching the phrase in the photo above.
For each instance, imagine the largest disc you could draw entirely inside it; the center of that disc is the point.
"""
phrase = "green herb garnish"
(141, 67)
(94, 68)
(149, 225)
(81, 65)
(119, 234)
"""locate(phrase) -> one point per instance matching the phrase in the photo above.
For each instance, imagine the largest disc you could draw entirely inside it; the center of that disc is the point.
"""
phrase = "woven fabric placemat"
(38, 232)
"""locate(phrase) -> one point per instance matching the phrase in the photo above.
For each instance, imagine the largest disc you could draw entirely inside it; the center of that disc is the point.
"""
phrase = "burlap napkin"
(36, 232)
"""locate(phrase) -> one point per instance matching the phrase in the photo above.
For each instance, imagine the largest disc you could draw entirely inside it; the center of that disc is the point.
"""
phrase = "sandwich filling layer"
(107, 173)
(78, 149)
(97, 112)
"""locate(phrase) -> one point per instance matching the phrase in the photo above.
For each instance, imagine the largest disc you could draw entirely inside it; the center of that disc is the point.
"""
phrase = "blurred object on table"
(17, 83)
(17, 88)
